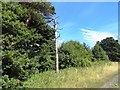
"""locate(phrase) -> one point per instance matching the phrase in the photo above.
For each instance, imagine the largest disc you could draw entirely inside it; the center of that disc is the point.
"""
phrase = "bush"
(74, 54)
(18, 64)
(11, 83)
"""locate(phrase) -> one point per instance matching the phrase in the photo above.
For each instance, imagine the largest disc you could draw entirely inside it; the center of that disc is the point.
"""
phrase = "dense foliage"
(28, 45)
(112, 48)
(99, 53)
(74, 54)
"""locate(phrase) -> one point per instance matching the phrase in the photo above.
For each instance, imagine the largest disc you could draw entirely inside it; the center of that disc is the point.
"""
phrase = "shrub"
(74, 54)
(11, 83)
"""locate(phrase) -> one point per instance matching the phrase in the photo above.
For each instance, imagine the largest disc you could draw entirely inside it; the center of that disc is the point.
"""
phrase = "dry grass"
(0, 62)
(93, 77)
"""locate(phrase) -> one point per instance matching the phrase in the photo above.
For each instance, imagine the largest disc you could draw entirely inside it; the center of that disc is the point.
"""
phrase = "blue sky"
(87, 21)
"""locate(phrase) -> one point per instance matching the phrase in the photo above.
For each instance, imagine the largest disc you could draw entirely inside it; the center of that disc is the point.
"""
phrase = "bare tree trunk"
(56, 47)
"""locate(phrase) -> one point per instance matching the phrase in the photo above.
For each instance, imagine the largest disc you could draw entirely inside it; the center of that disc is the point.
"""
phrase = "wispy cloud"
(92, 36)
(68, 25)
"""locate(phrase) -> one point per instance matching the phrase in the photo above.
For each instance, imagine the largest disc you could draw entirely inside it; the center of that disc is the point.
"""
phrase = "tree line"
(28, 45)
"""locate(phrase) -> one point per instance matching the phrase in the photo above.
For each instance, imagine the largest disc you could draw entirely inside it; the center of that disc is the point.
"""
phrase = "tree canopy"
(72, 53)
(112, 48)
(99, 53)
(28, 40)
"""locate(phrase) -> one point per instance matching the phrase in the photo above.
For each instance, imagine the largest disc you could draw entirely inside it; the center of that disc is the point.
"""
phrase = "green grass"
(92, 77)
(0, 74)
(115, 86)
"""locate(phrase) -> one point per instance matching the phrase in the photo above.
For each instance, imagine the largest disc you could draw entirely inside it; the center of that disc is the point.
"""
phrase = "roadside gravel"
(112, 83)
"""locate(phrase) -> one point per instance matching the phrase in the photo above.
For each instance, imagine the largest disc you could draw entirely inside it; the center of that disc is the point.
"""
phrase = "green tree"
(28, 45)
(99, 53)
(73, 54)
(112, 48)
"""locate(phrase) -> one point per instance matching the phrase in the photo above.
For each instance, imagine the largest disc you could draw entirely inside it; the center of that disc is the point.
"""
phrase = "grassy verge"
(92, 77)
(0, 74)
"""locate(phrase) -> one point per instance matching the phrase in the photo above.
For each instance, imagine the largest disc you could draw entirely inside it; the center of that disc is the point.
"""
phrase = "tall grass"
(0, 74)
(92, 77)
